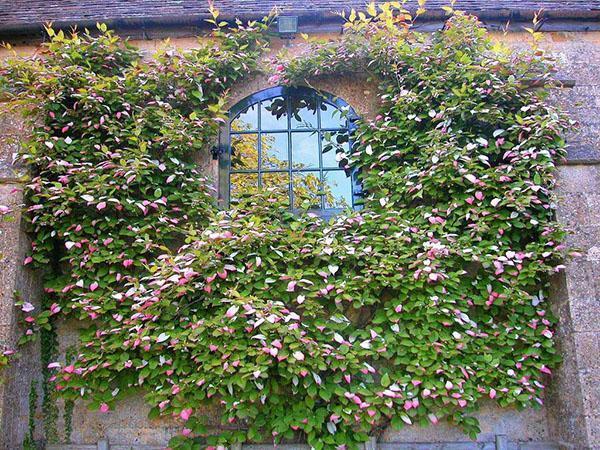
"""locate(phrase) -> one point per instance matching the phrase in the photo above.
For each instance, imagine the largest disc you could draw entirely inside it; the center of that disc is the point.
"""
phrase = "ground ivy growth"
(409, 311)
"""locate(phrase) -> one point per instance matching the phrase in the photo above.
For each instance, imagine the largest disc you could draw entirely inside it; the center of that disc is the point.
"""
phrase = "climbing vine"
(409, 311)
(29, 442)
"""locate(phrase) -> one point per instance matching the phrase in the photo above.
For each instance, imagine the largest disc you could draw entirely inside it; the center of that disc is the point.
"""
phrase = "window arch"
(294, 138)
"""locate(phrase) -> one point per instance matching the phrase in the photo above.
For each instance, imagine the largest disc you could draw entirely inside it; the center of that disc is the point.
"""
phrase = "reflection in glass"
(244, 151)
(333, 143)
(306, 187)
(242, 184)
(338, 189)
(294, 145)
(305, 150)
(274, 151)
(304, 112)
(247, 120)
(280, 182)
(331, 116)
(273, 114)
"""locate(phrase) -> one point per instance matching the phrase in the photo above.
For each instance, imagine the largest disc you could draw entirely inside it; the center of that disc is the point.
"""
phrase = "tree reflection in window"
(296, 140)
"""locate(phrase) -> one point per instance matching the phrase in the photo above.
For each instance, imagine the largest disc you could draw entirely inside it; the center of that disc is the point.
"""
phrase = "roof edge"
(553, 20)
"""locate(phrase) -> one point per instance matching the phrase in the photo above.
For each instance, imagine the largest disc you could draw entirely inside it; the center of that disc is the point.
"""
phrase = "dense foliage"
(409, 311)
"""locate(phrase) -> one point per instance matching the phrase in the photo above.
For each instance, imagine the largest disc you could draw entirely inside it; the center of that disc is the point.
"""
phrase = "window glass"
(244, 151)
(332, 144)
(304, 112)
(274, 151)
(294, 143)
(337, 189)
(305, 150)
(242, 183)
(273, 114)
(307, 189)
(247, 120)
(331, 117)
(280, 183)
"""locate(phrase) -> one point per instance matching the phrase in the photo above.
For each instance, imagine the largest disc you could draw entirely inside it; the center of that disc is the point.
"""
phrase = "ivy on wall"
(410, 311)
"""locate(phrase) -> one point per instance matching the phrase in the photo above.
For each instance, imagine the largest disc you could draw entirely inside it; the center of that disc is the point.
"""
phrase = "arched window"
(295, 139)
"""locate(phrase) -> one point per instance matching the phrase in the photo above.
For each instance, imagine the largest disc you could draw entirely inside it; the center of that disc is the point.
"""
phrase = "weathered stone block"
(587, 345)
(528, 425)
(9, 169)
(583, 148)
(592, 200)
(10, 251)
(593, 423)
(590, 387)
(538, 446)
(581, 281)
(9, 147)
(586, 238)
(585, 315)
(578, 178)
(11, 123)
(572, 209)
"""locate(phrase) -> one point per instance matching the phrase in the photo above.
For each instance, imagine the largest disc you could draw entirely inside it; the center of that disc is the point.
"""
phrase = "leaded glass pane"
(331, 116)
(305, 150)
(242, 184)
(244, 152)
(275, 151)
(304, 112)
(337, 189)
(279, 182)
(273, 114)
(307, 190)
(247, 120)
(334, 146)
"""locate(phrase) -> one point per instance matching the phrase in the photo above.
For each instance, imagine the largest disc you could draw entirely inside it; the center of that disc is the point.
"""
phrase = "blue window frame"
(294, 138)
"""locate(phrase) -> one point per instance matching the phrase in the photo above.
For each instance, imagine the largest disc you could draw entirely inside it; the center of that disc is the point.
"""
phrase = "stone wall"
(571, 418)
(24, 372)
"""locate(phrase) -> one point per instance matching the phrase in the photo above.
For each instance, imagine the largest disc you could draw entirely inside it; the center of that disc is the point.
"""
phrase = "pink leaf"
(186, 413)
(27, 307)
(232, 311)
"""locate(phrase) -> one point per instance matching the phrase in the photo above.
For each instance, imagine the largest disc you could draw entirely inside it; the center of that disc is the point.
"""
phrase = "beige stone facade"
(571, 417)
